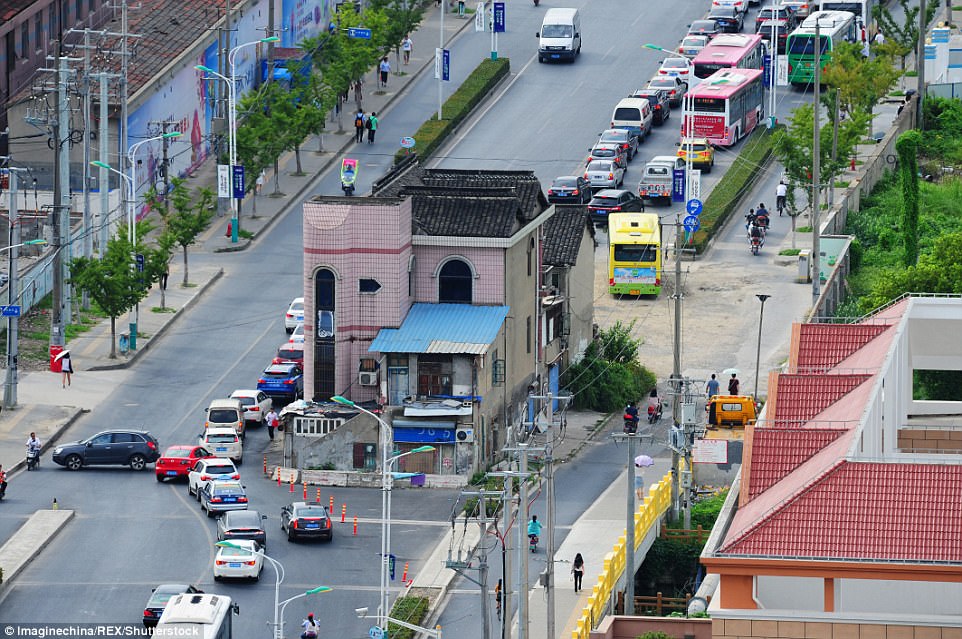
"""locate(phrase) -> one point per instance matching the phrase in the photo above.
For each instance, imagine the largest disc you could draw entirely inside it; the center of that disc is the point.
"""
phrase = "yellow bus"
(634, 254)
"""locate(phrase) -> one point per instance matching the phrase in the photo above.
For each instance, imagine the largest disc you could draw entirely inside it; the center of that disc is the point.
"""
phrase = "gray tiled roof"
(564, 233)
(471, 214)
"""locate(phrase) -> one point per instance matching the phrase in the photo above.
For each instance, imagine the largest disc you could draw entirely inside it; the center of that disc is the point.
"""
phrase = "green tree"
(907, 147)
(937, 271)
(260, 140)
(191, 214)
(861, 82)
(609, 375)
(401, 18)
(901, 37)
(113, 281)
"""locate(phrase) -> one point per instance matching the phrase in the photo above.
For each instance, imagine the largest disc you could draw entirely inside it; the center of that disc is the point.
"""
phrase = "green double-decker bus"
(833, 27)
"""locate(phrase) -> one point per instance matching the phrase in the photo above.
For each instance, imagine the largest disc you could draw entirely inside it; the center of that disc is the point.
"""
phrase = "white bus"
(197, 616)
(864, 11)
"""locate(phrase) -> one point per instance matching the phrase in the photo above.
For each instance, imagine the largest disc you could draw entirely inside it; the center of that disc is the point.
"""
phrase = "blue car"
(282, 381)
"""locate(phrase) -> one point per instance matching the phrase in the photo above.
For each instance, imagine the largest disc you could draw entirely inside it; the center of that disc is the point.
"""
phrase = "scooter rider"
(33, 444)
(3, 482)
(750, 219)
(631, 414)
(534, 529)
(761, 216)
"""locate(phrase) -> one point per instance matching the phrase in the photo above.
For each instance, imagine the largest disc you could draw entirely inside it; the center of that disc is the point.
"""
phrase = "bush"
(609, 375)
(705, 512)
(734, 185)
(410, 609)
(655, 635)
(457, 107)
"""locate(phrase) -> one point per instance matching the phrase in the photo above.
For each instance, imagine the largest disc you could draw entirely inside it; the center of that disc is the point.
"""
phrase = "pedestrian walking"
(733, 384)
(359, 126)
(639, 481)
(371, 126)
(164, 276)
(712, 387)
(270, 420)
(66, 369)
(460, 8)
(259, 184)
(385, 69)
(407, 45)
(578, 570)
(879, 38)
(358, 84)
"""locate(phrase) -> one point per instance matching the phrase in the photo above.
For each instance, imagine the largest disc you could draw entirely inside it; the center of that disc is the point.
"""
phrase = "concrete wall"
(930, 440)
(336, 448)
(791, 593)
(487, 264)
(619, 627)
(890, 597)
(581, 299)
(778, 629)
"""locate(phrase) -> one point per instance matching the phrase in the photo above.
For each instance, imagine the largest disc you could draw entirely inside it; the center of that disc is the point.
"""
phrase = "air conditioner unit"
(465, 435)
(367, 378)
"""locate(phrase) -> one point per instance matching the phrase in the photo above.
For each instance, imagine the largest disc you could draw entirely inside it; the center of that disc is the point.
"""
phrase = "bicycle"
(780, 204)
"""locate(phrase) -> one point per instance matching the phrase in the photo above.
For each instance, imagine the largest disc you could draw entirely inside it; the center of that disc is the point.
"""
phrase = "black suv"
(302, 519)
(613, 201)
(729, 19)
(134, 448)
(660, 104)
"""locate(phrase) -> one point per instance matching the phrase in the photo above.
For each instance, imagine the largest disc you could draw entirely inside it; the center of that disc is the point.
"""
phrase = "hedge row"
(733, 186)
(457, 107)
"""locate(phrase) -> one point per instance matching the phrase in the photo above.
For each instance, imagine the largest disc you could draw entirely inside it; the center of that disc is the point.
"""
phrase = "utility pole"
(460, 565)
(270, 45)
(831, 186)
(549, 516)
(506, 563)
(816, 167)
(103, 178)
(13, 323)
(675, 383)
(522, 520)
(61, 202)
(920, 66)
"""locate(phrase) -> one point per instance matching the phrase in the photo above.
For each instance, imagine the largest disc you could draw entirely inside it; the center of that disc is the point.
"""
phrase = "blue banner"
(499, 17)
(424, 435)
(237, 181)
(446, 65)
(768, 70)
(678, 185)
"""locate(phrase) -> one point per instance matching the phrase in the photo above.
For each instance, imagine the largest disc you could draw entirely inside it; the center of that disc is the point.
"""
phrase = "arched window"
(455, 282)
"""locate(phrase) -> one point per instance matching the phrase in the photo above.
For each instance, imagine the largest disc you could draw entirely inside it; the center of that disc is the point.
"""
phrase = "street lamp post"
(758, 350)
(232, 120)
(387, 477)
(13, 322)
(278, 579)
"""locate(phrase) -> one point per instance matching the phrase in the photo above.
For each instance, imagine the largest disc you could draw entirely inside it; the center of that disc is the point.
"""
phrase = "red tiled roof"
(866, 511)
(800, 398)
(778, 451)
(821, 346)
(10, 8)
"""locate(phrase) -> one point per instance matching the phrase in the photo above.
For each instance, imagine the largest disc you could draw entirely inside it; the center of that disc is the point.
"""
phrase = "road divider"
(457, 107)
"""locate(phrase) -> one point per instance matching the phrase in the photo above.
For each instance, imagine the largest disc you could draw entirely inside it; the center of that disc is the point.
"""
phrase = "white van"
(223, 442)
(560, 35)
(633, 114)
(224, 413)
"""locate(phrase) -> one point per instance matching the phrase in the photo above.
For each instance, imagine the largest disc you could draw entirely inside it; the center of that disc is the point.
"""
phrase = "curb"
(34, 551)
(240, 246)
(50, 442)
(163, 329)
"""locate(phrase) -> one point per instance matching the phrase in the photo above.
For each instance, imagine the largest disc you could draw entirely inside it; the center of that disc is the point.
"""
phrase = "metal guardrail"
(656, 504)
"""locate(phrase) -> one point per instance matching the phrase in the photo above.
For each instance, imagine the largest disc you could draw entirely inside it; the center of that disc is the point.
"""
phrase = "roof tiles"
(564, 234)
(867, 511)
(776, 452)
(821, 346)
(802, 397)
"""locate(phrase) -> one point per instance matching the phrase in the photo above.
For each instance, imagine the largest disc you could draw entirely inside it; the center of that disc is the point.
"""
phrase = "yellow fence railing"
(656, 503)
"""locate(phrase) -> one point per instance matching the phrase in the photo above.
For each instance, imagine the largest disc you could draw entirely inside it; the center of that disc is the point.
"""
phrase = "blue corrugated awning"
(443, 328)
(410, 431)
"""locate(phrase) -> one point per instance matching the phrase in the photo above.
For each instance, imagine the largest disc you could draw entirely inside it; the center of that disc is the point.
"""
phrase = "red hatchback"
(178, 460)
(290, 353)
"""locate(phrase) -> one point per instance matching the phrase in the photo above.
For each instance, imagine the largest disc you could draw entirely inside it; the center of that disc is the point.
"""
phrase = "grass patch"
(909, 74)
(803, 229)
(457, 107)
(410, 609)
(247, 235)
(163, 309)
(734, 185)
(790, 251)
(841, 184)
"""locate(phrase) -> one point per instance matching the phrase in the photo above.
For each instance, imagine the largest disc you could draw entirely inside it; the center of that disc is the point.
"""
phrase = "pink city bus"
(726, 107)
(730, 51)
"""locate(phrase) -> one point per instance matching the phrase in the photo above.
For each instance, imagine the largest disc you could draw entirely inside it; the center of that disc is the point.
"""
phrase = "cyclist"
(781, 191)
(534, 528)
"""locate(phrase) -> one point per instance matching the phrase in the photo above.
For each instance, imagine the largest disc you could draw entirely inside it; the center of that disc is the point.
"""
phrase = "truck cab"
(657, 177)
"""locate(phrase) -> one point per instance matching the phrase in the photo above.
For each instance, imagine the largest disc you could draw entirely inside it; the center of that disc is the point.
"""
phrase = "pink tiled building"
(447, 296)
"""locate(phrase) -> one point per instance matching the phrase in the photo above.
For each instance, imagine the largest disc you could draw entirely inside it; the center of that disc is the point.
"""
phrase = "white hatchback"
(223, 442)
(297, 335)
(207, 470)
(256, 404)
(242, 559)
(294, 314)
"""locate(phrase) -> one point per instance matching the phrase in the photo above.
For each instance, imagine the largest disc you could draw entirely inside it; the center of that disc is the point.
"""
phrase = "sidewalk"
(49, 410)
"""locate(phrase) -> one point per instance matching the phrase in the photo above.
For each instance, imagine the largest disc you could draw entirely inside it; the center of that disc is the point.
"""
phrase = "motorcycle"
(654, 407)
(3, 489)
(756, 243)
(348, 175)
(533, 543)
(33, 458)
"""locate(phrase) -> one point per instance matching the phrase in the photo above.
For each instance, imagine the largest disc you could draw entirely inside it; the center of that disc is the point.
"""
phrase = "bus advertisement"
(634, 254)
(833, 26)
(726, 107)
(730, 51)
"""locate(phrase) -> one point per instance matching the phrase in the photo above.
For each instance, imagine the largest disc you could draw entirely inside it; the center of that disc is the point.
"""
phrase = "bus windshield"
(635, 253)
(805, 45)
(710, 105)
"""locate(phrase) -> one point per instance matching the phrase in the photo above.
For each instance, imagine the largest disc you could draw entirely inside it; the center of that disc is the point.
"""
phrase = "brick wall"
(929, 440)
(770, 629)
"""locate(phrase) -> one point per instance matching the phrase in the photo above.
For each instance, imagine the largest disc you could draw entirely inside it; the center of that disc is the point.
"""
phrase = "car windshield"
(694, 147)
(603, 153)
(693, 42)
(603, 200)
(222, 415)
(230, 551)
(160, 598)
(702, 25)
(662, 84)
(290, 353)
(243, 519)
(310, 511)
(723, 12)
(566, 182)
(179, 451)
(297, 306)
(222, 439)
(557, 31)
(246, 401)
(599, 166)
(614, 136)
(229, 490)
(675, 63)
(219, 470)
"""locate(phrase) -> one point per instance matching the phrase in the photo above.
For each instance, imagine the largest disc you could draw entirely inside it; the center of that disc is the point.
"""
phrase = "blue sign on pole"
(678, 185)
(691, 223)
(499, 17)
(9, 311)
(356, 32)
(694, 207)
(767, 66)
(446, 65)
(237, 181)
